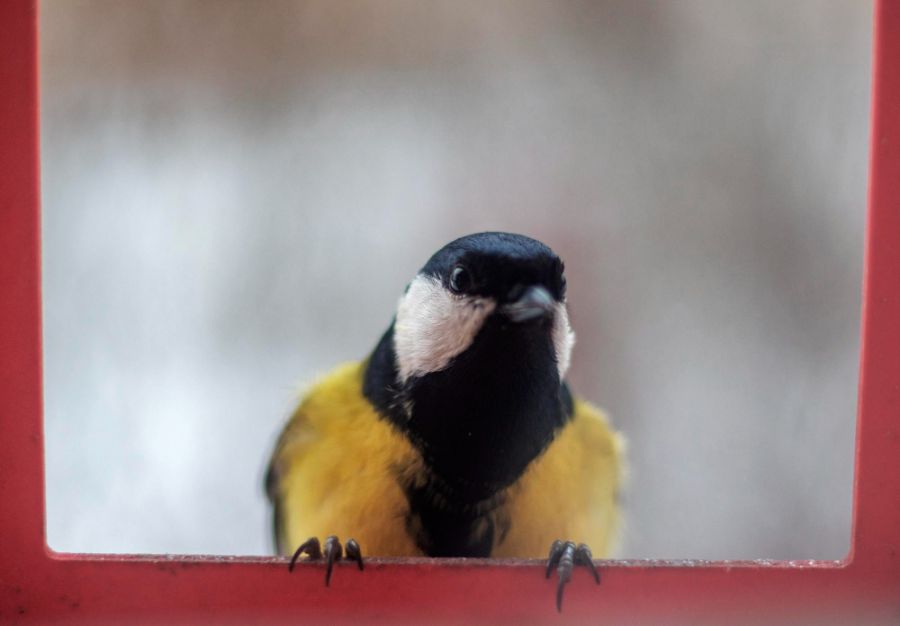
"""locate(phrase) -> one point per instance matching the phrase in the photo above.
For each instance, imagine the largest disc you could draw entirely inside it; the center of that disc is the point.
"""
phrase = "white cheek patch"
(563, 339)
(434, 325)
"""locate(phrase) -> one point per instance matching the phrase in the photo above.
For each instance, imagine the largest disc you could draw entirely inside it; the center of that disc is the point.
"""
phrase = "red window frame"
(38, 585)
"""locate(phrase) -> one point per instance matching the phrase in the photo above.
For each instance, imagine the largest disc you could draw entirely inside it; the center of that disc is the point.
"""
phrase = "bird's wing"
(315, 422)
(570, 492)
(337, 469)
(279, 463)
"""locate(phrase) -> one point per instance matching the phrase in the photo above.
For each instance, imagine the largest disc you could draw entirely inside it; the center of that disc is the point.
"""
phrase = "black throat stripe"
(478, 424)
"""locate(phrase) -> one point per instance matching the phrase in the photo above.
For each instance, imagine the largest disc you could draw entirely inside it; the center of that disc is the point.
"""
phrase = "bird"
(458, 436)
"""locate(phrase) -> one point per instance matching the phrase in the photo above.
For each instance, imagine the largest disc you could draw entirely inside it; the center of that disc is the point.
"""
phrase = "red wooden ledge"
(40, 586)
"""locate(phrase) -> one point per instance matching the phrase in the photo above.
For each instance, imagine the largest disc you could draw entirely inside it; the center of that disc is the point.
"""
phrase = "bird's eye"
(460, 279)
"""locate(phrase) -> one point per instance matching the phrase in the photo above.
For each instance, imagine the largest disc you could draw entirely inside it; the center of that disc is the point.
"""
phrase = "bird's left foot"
(332, 552)
(564, 556)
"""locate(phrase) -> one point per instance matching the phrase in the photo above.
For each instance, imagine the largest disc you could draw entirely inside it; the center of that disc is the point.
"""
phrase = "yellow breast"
(338, 469)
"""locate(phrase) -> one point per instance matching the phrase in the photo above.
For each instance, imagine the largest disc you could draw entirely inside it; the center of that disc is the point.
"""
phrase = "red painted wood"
(40, 587)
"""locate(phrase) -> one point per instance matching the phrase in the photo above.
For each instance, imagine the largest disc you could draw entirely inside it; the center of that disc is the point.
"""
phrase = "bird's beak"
(535, 302)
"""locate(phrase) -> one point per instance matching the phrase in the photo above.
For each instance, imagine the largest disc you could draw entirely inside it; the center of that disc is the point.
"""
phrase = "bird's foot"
(332, 552)
(564, 556)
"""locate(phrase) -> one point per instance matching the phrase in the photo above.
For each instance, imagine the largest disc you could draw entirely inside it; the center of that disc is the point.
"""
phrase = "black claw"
(584, 557)
(354, 553)
(333, 552)
(564, 556)
(556, 551)
(310, 547)
(560, 586)
(564, 571)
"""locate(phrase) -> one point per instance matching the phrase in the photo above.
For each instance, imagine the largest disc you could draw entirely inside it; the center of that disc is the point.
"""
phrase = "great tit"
(458, 436)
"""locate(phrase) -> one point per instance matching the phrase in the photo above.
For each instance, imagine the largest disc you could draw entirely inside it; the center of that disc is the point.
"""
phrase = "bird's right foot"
(565, 555)
(332, 552)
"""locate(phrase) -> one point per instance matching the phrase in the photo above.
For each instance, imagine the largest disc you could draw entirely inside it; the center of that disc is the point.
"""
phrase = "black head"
(500, 266)
(475, 283)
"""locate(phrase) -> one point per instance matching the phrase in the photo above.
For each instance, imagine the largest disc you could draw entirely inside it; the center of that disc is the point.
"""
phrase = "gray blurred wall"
(235, 194)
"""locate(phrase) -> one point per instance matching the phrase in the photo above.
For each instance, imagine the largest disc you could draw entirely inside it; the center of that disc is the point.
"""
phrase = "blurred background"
(236, 193)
